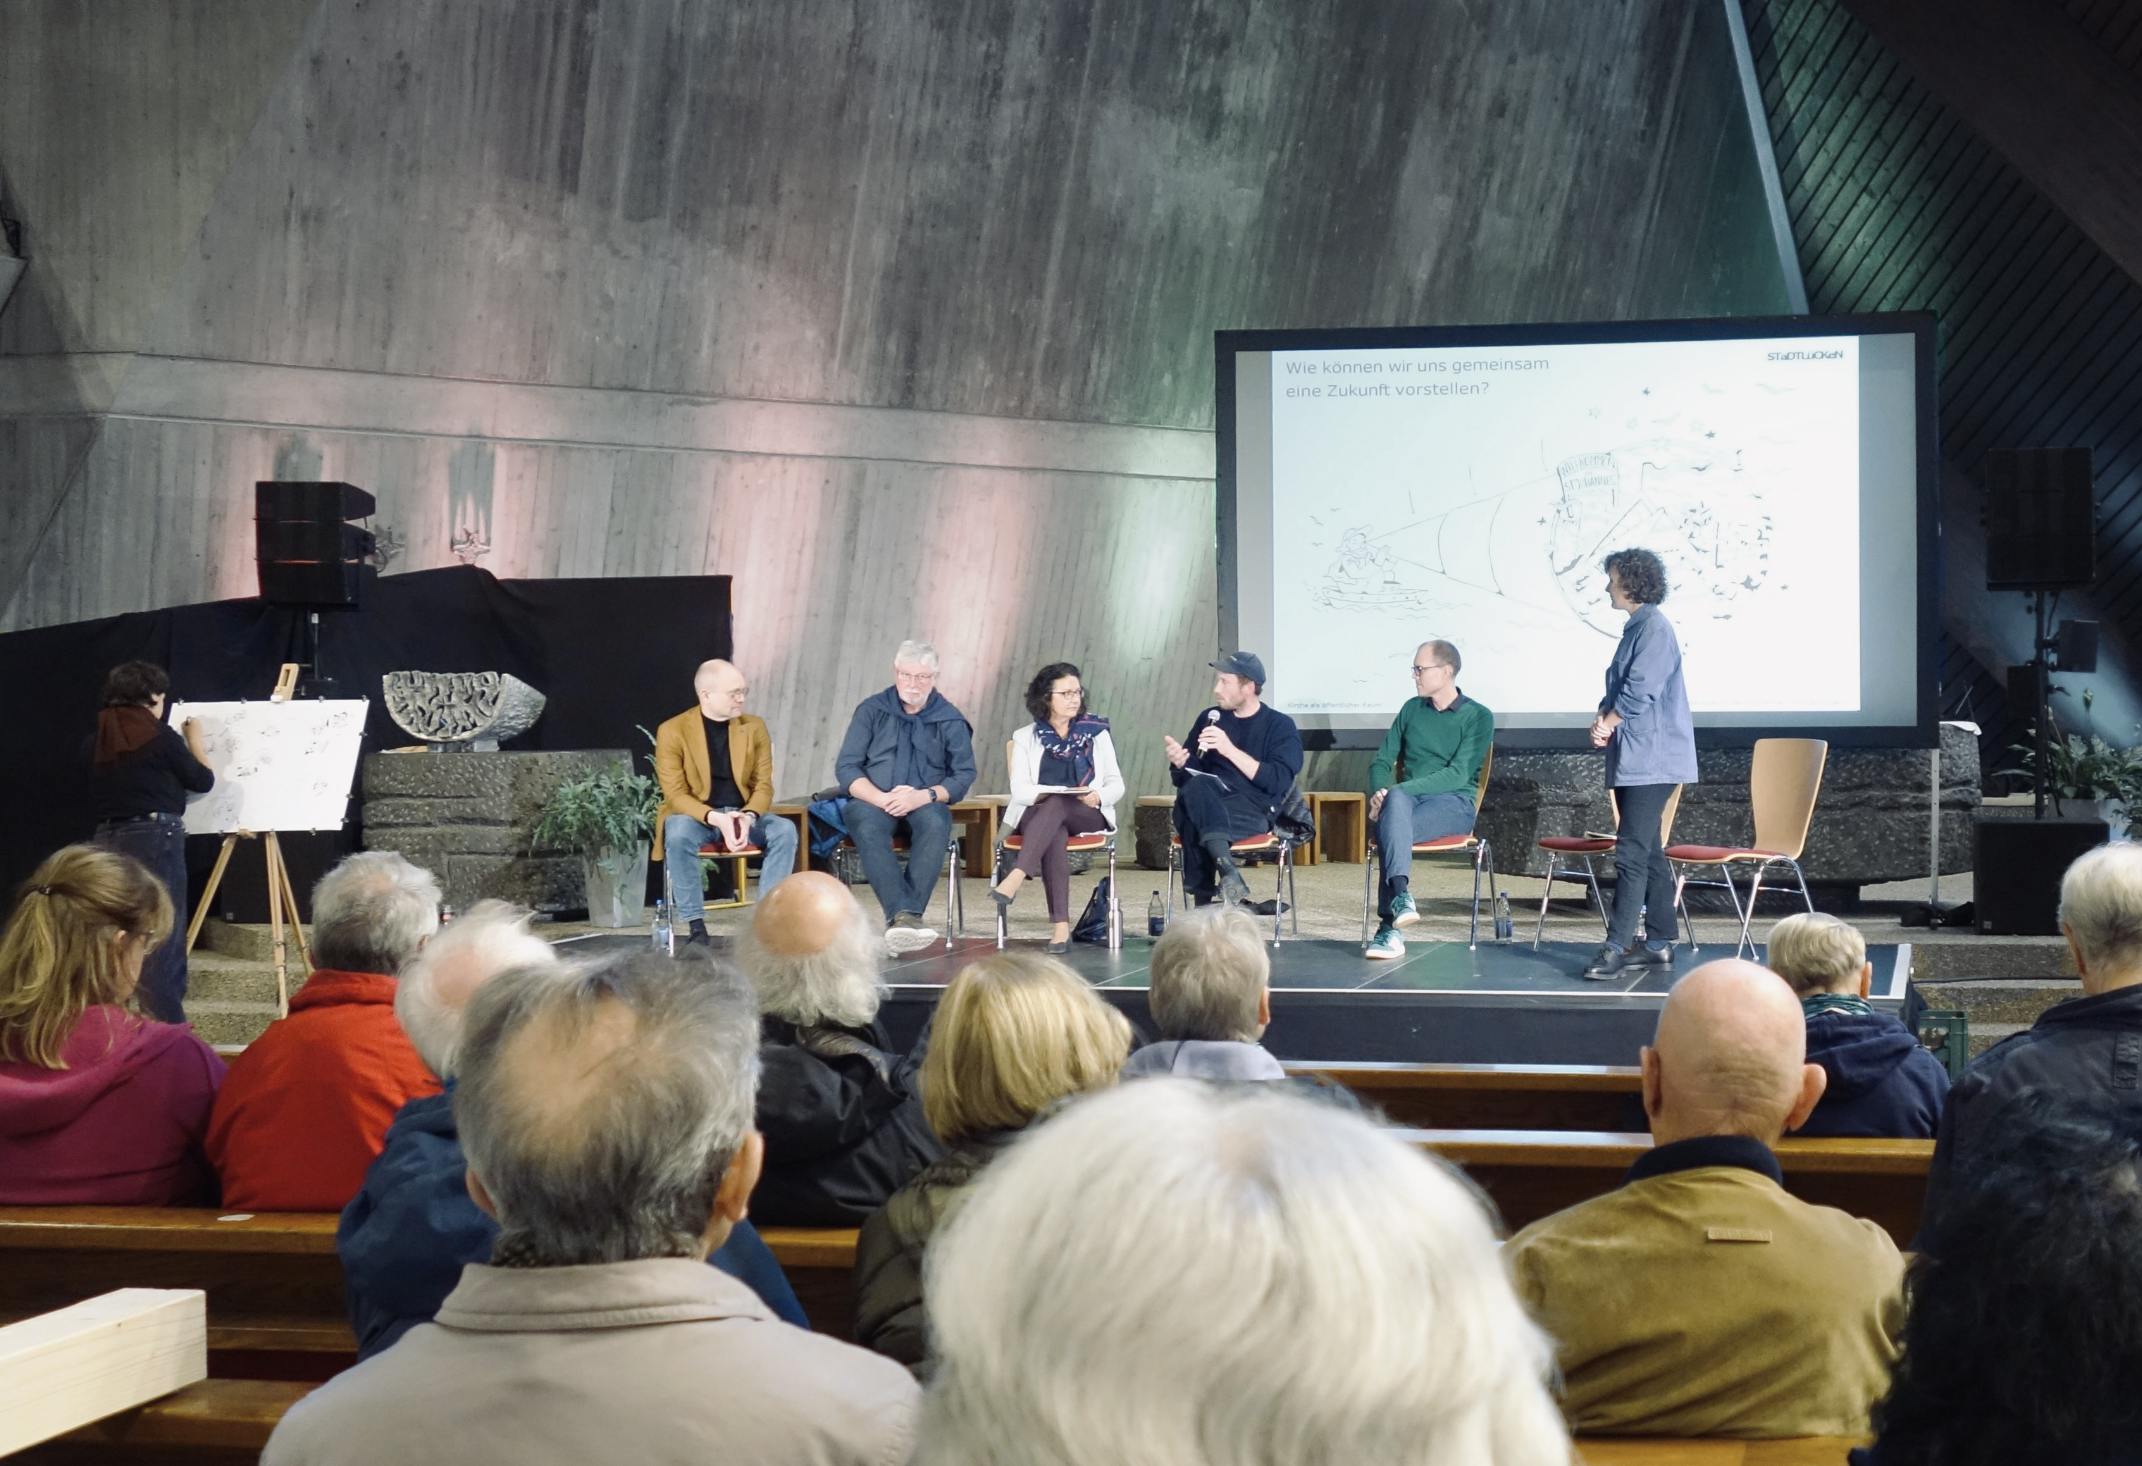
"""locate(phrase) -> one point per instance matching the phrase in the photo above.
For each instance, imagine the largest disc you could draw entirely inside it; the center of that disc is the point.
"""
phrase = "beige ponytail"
(59, 956)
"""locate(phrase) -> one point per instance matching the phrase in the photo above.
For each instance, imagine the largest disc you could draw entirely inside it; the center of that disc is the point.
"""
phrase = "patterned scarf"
(1835, 1003)
(1076, 746)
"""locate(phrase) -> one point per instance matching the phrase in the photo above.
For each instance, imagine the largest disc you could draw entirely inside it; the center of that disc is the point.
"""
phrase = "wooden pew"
(276, 1306)
(1530, 1174)
(1492, 1096)
(218, 1422)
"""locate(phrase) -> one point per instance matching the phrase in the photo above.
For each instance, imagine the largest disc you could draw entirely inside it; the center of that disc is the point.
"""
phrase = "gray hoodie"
(1198, 1058)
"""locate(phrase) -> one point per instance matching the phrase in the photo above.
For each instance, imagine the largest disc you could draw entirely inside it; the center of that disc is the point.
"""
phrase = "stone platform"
(467, 818)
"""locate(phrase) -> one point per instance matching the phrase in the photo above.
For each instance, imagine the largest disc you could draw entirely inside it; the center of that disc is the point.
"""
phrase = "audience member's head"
(2024, 1341)
(2101, 914)
(1730, 1057)
(1015, 1033)
(607, 1110)
(372, 913)
(82, 925)
(812, 953)
(1817, 953)
(1209, 977)
(433, 995)
(1187, 1273)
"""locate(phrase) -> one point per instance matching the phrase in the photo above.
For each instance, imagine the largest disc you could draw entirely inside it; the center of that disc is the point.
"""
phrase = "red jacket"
(305, 1108)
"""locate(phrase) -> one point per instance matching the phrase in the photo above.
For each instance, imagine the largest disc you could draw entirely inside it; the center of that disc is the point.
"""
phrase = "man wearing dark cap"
(1239, 762)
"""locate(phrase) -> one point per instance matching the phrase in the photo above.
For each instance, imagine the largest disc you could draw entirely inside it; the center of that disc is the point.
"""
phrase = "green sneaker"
(1403, 911)
(1386, 944)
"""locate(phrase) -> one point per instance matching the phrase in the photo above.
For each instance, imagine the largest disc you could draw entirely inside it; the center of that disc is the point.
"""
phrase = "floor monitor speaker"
(2016, 876)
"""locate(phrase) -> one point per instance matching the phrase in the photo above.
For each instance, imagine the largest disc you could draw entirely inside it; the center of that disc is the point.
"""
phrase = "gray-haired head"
(2101, 910)
(1441, 654)
(372, 912)
(433, 995)
(913, 653)
(813, 954)
(600, 1105)
(1235, 1275)
(1209, 972)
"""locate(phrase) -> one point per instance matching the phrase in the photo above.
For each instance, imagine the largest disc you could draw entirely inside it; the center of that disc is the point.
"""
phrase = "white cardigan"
(1026, 775)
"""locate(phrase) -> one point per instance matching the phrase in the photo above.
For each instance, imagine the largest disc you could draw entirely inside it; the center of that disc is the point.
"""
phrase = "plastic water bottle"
(446, 912)
(1156, 916)
(1504, 931)
(665, 935)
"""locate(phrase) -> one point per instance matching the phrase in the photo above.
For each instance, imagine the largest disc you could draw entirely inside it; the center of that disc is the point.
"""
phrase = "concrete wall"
(901, 314)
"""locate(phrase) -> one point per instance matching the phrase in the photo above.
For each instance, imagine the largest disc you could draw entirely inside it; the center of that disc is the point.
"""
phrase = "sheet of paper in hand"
(278, 765)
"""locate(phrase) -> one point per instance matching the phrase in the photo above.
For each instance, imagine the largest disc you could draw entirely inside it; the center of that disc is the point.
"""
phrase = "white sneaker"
(911, 937)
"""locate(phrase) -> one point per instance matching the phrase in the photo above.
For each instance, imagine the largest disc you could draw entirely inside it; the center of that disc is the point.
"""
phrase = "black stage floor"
(1499, 1003)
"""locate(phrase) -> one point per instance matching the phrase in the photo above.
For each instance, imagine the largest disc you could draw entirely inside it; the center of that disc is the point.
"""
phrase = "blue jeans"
(1406, 820)
(158, 841)
(929, 834)
(682, 837)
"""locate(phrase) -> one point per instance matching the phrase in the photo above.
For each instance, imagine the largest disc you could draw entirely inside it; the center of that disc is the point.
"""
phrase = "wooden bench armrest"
(1592, 1078)
(229, 1413)
(167, 1229)
(811, 1247)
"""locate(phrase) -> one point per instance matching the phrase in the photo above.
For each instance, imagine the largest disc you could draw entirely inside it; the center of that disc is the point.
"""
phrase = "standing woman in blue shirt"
(1650, 741)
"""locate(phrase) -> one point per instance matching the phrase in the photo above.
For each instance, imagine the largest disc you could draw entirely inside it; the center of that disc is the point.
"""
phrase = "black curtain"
(610, 655)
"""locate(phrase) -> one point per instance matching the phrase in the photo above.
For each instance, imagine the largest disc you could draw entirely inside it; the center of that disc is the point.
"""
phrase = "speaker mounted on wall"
(2041, 519)
(309, 554)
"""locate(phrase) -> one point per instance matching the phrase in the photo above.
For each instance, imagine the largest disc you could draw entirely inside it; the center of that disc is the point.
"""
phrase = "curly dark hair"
(2025, 1336)
(133, 684)
(1643, 575)
(1037, 691)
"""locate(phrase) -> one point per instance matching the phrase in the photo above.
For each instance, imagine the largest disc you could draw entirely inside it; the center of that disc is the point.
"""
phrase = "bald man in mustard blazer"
(715, 765)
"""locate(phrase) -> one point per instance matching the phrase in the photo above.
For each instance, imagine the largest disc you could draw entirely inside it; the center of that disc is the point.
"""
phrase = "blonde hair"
(1815, 953)
(1209, 973)
(1015, 1033)
(57, 956)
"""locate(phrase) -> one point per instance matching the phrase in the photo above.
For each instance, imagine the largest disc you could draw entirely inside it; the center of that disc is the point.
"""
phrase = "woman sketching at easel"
(140, 773)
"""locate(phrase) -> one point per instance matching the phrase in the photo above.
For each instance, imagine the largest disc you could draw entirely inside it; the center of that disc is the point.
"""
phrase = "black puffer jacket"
(843, 1124)
(888, 1258)
(2086, 1050)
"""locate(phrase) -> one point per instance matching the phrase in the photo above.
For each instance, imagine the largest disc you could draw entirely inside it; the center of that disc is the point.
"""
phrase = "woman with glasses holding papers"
(1064, 781)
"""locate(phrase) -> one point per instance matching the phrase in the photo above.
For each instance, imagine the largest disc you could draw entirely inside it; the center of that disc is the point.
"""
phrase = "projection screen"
(1380, 488)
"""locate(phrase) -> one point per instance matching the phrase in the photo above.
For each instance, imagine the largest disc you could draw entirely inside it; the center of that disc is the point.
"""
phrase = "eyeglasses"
(1436, 667)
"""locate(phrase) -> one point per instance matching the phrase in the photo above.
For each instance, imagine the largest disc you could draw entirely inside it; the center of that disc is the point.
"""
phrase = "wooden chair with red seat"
(1470, 845)
(1784, 780)
(1587, 848)
(738, 872)
(1097, 841)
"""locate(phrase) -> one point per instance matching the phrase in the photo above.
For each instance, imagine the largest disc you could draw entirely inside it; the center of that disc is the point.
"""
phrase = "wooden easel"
(282, 895)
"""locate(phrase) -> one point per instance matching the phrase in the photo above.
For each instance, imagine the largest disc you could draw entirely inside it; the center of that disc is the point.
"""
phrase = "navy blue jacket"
(890, 746)
(1883, 1081)
(406, 1234)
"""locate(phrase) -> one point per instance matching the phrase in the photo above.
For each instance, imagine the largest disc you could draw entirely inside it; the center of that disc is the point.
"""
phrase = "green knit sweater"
(1436, 752)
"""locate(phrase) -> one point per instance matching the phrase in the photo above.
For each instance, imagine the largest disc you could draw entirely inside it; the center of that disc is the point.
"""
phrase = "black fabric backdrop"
(608, 654)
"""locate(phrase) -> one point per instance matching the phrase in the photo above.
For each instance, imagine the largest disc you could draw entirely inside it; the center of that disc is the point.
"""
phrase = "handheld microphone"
(1212, 715)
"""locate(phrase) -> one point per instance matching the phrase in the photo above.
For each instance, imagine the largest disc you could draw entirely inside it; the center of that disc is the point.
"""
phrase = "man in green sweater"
(1422, 782)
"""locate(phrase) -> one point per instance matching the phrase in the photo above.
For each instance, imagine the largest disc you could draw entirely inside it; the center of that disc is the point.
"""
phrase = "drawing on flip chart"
(278, 765)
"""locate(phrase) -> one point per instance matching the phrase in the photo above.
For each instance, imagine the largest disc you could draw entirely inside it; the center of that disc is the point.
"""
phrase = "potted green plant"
(2090, 772)
(607, 818)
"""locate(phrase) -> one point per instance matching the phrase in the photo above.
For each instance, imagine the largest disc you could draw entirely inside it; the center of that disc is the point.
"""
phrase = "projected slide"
(1470, 494)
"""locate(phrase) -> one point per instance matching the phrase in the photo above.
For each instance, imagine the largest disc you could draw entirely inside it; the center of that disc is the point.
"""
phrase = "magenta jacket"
(121, 1125)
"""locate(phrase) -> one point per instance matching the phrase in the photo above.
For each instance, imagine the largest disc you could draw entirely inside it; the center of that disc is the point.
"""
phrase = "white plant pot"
(617, 887)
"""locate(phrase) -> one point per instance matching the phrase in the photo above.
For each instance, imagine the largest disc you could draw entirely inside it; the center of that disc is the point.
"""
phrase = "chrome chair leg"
(1554, 863)
(1279, 898)
(1494, 892)
(1368, 893)
(1472, 935)
(1294, 904)
(1115, 902)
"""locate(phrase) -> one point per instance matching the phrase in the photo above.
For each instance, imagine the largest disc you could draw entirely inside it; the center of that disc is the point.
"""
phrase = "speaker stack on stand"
(311, 557)
(2041, 538)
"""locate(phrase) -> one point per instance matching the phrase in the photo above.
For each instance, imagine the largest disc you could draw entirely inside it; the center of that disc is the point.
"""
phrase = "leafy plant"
(611, 809)
(2079, 768)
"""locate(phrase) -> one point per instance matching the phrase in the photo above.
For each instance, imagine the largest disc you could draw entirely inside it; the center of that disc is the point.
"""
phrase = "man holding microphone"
(1241, 759)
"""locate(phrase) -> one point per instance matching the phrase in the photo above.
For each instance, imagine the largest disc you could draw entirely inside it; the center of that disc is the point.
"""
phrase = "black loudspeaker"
(2041, 519)
(309, 554)
(2016, 876)
(2077, 651)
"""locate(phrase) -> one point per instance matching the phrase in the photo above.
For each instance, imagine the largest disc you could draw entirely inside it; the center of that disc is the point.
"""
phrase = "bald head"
(1730, 1057)
(812, 953)
(721, 689)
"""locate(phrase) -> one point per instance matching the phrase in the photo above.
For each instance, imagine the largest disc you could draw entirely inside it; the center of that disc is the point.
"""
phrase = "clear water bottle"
(1156, 916)
(446, 912)
(665, 935)
(1504, 930)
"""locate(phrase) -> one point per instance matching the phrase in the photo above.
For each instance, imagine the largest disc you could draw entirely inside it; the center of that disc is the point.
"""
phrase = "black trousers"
(1643, 880)
(1204, 807)
(158, 841)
